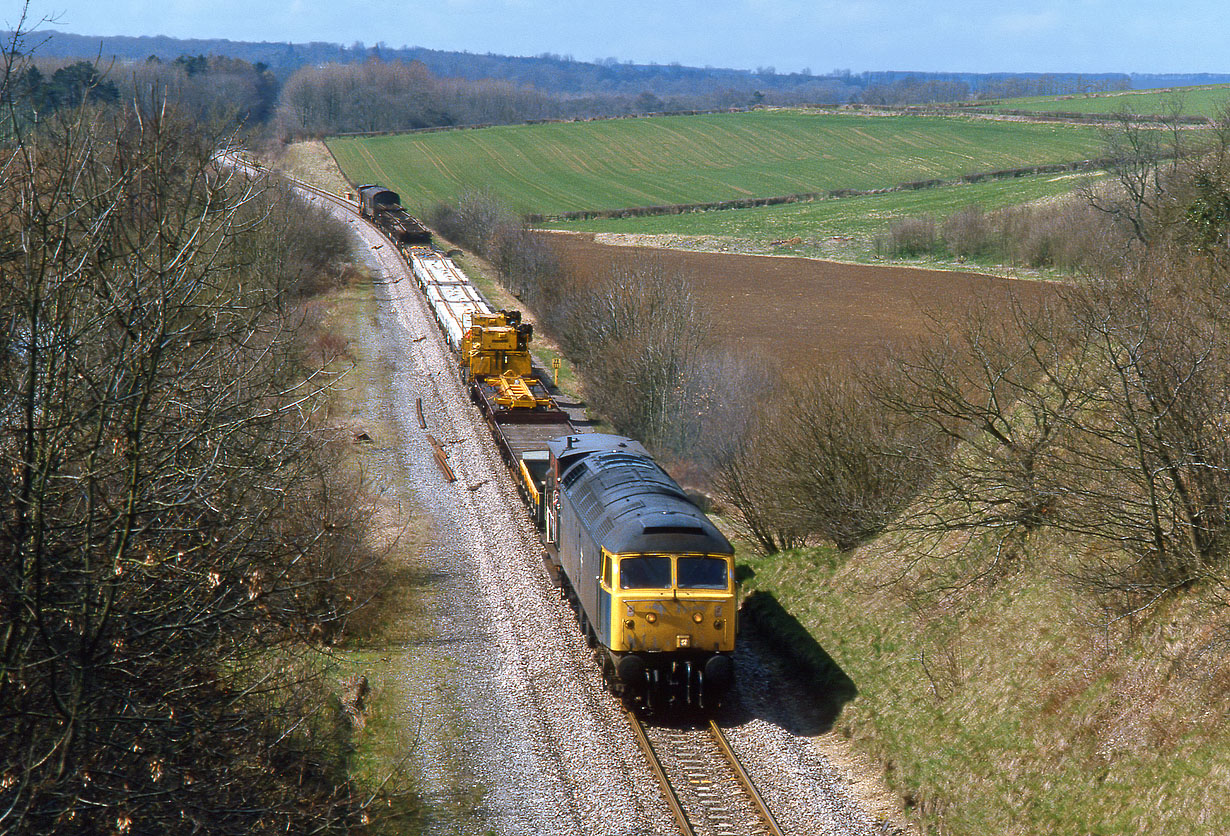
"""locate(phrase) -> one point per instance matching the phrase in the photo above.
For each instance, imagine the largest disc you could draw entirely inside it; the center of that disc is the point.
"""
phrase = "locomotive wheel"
(679, 684)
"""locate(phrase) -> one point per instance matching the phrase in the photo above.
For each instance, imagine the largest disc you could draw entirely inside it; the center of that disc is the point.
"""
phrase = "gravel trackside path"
(506, 687)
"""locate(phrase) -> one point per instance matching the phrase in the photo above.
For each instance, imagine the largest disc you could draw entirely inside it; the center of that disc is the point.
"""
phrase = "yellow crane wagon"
(497, 367)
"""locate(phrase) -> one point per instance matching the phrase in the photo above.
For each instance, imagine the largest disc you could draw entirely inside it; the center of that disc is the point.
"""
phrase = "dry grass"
(1014, 704)
(311, 161)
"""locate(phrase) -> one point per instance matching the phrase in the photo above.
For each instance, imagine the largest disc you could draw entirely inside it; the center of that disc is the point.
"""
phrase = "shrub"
(912, 236)
(968, 233)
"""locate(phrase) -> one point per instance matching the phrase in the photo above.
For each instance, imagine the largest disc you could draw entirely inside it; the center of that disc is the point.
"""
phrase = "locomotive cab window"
(702, 573)
(645, 573)
(606, 570)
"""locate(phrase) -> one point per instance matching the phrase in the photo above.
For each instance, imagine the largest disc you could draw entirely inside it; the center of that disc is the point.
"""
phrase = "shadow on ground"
(807, 688)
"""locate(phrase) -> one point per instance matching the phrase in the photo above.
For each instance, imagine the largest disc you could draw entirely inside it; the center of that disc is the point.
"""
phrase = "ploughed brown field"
(804, 311)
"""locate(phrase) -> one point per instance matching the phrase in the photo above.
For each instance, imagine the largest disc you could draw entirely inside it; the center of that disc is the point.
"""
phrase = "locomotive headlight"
(651, 617)
(719, 624)
(629, 623)
(698, 617)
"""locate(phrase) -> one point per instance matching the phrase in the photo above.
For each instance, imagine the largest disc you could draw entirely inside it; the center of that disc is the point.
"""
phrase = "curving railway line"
(702, 781)
(595, 781)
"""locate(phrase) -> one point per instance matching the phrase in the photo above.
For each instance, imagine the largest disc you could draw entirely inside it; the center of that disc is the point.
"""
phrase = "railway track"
(707, 789)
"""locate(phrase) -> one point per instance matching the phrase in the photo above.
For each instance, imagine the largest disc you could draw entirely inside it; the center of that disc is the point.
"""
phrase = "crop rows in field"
(695, 159)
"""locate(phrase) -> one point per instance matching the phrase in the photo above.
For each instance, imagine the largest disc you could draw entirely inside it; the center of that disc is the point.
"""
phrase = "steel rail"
(672, 800)
(744, 779)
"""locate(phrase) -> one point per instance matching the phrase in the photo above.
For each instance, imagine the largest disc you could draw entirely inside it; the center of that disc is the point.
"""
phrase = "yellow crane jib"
(496, 350)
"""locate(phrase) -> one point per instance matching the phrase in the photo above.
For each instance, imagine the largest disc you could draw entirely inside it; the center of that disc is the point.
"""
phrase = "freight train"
(649, 576)
(383, 208)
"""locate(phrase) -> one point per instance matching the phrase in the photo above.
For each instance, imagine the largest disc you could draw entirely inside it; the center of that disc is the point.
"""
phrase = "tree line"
(293, 91)
(570, 76)
(210, 89)
(178, 537)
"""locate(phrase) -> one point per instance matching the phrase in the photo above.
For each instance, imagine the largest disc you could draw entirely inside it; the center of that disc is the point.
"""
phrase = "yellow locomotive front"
(662, 602)
(672, 626)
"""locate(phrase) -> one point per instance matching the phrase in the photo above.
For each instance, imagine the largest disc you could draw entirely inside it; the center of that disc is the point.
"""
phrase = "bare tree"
(1000, 390)
(171, 534)
(1100, 416)
(1138, 152)
(1148, 465)
(745, 475)
(642, 339)
(824, 460)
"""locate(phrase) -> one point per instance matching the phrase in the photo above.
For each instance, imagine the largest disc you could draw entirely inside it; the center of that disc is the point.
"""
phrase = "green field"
(843, 228)
(695, 159)
(1205, 100)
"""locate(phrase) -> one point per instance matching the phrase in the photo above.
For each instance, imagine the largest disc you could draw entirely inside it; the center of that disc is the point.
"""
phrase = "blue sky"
(790, 35)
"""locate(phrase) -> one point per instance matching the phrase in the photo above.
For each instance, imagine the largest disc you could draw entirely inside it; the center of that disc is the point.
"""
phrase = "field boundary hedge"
(803, 197)
(985, 109)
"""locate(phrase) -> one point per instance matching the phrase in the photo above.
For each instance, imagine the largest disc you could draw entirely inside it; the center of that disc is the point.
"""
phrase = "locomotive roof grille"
(629, 503)
(628, 460)
(672, 529)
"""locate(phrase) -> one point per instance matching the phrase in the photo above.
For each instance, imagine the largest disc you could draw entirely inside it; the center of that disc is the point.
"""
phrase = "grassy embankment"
(1014, 704)
(311, 161)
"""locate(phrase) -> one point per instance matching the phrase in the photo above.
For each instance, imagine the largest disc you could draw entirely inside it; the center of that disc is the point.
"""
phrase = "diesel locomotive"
(650, 575)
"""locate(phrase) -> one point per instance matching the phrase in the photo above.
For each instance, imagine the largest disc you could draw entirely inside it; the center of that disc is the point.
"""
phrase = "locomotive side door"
(552, 521)
(603, 626)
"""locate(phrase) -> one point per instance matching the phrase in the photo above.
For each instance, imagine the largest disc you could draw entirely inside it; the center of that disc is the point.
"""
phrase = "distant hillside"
(1147, 81)
(564, 75)
(551, 73)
